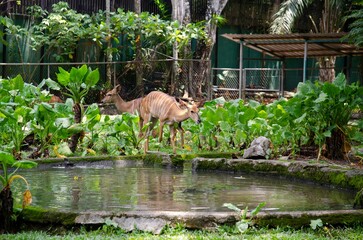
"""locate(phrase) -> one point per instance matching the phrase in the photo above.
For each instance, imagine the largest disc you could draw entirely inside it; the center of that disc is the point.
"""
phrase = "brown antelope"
(122, 106)
(158, 105)
(55, 99)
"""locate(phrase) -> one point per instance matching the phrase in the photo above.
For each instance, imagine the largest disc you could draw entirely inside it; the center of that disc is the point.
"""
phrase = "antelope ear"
(186, 94)
(181, 102)
(200, 103)
(118, 87)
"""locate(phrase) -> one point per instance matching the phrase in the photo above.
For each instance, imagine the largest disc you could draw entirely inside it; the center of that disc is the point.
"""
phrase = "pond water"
(113, 188)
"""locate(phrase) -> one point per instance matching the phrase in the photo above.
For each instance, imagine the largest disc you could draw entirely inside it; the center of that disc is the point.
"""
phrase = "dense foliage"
(61, 31)
(311, 118)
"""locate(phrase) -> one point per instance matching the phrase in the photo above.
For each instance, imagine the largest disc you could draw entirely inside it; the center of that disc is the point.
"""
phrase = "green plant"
(318, 224)
(245, 222)
(327, 108)
(60, 31)
(110, 227)
(92, 118)
(125, 129)
(6, 200)
(77, 82)
(17, 99)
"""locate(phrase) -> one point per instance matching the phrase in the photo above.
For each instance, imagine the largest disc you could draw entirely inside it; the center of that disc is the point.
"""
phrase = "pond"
(111, 187)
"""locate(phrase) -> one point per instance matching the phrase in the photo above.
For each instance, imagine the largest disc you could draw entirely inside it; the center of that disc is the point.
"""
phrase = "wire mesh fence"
(227, 82)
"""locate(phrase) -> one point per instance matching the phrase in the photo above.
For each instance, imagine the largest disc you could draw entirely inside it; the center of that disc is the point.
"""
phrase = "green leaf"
(340, 81)
(92, 78)
(7, 114)
(25, 164)
(327, 134)
(78, 74)
(331, 89)
(7, 158)
(247, 115)
(322, 97)
(262, 114)
(64, 149)
(232, 207)
(300, 119)
(303, 88)
(253, 103)
(75, 128)
(242, 226)
(50, 83)
(63, 77)
(17, 82)
(314, 224)
(257, 209)
(225, 127)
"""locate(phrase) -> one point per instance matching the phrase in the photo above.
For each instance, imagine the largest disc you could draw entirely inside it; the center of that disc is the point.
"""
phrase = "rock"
(259, 148)
(154, 225)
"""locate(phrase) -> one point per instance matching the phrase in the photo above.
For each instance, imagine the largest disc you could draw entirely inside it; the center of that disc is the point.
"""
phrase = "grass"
(223, 232)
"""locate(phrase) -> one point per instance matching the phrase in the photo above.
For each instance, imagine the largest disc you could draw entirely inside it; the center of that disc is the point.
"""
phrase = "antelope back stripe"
(159, 104)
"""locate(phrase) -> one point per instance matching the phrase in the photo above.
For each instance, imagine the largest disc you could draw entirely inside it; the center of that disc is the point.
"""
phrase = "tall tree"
(212, 17)
(109, 44)
(180, 13)
(331, 20)
(138, 53)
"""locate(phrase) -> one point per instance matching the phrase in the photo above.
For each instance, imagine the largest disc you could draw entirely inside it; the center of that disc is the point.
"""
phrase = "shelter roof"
(293, 45)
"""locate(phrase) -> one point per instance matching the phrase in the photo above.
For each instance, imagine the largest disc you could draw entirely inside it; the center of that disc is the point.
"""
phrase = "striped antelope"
(122, 106)
(158, 105)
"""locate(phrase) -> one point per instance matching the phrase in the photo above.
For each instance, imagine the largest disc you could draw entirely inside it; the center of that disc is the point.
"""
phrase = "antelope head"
(193, 108)
(110, 95)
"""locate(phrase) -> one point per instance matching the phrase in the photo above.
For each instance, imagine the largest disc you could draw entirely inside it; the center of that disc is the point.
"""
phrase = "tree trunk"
(335, 146)
(109, 47)
(138, 56)
(204, 50)
(6, 210)
(328, 24)
(77, 109)
(326, 68)
(181, 13)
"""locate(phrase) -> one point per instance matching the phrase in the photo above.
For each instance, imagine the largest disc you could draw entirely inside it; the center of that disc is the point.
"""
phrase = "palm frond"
(355, 34)
(289, 11)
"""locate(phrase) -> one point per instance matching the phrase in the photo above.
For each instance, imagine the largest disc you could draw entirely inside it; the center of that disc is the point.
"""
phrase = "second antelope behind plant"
(158, 105)
(122, 106)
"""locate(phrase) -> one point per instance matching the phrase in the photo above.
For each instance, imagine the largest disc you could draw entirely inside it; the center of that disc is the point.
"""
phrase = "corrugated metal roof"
(293, 45)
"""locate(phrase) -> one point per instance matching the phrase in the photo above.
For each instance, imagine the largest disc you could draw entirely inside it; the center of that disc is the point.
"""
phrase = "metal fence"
(228, 84)
(231, 84)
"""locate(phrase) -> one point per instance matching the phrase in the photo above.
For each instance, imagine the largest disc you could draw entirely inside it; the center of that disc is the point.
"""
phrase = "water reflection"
(119, 189)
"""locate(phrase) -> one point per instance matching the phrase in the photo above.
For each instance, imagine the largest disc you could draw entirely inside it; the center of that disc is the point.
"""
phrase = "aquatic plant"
(7, 160)
(244, 223)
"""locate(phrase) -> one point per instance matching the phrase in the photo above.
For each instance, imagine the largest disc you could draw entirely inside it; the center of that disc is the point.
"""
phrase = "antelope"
(158, 105)
(122, 106)
(55, 99)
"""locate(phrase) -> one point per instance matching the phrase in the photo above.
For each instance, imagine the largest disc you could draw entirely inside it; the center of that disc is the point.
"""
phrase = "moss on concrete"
(45, 216)
(321, 173)
(299, 219)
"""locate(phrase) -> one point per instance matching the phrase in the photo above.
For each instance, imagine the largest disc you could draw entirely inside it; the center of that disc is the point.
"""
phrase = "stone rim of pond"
(155, 221)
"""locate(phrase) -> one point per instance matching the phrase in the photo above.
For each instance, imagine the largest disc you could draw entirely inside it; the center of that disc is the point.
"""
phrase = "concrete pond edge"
(155, 221)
